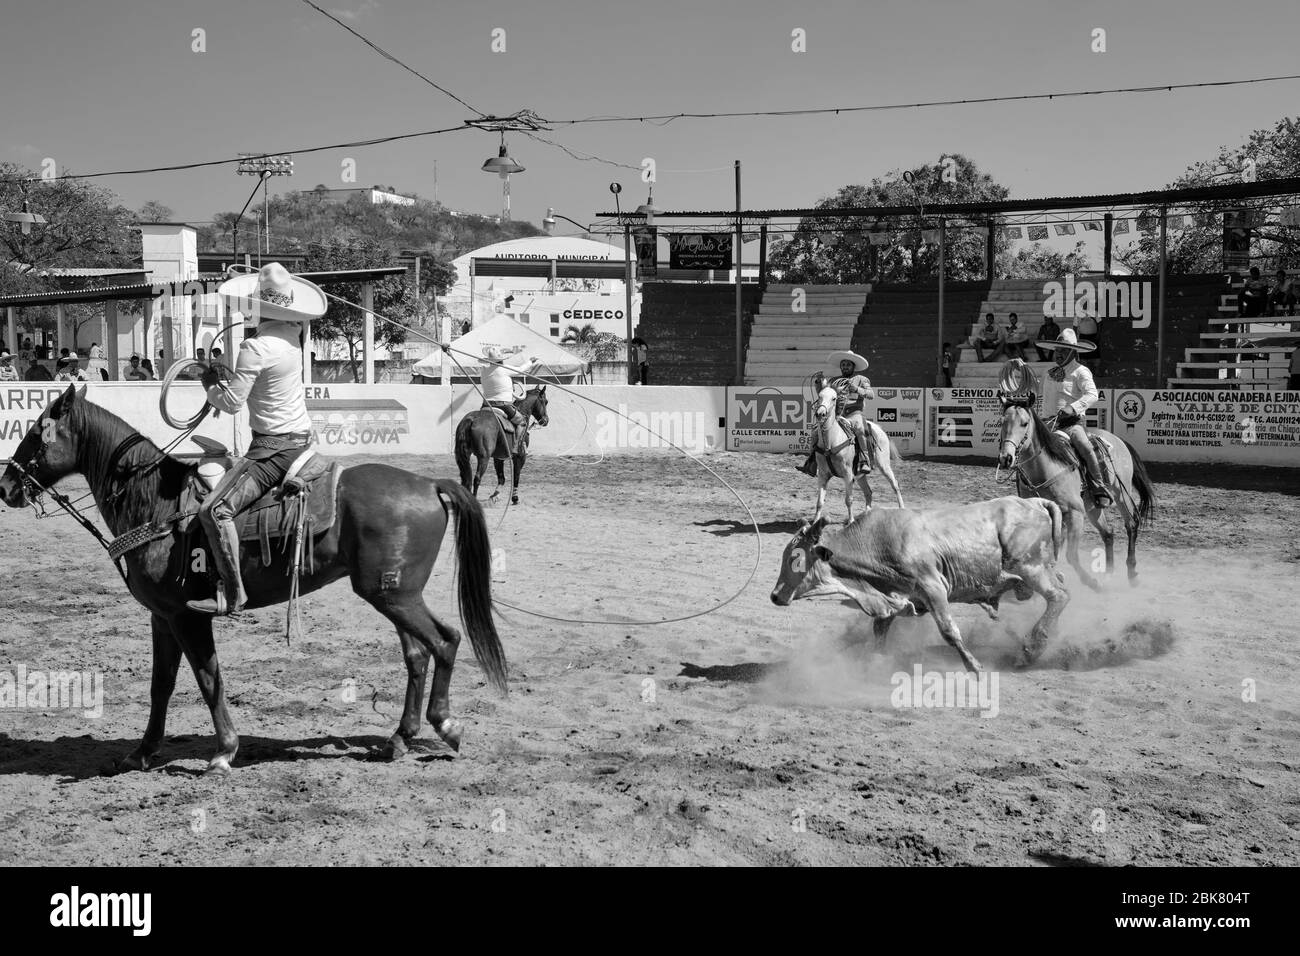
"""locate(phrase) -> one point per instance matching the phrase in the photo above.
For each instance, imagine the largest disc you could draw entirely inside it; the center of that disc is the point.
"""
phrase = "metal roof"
(199, 284)
(1155, 197)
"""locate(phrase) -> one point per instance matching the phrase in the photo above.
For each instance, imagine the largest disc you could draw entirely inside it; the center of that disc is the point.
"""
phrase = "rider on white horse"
(852, 387)
(1068, 393)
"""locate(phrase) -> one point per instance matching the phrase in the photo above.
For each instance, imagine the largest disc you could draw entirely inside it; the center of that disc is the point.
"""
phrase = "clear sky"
(114, 84)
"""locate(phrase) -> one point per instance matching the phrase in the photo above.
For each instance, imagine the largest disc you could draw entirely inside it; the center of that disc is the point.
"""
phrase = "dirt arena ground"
(741, 737)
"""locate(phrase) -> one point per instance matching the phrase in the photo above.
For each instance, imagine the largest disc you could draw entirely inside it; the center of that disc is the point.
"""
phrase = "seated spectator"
(1282, 295)
(95, 351)
(27, 353)
(1049, 331)
(67, 371)
(1017, 336)
(1254, 295)
(990, 339)
(36, 372)
(63, 354)
(134, 371)
(148, 369)
(7, 371)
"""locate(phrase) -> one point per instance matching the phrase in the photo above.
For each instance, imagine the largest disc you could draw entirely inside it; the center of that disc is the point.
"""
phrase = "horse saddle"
(503, 418)
(307, 496)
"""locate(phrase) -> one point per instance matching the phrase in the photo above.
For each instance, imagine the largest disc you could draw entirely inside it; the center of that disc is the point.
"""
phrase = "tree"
(393, 298)
(1038, 260)
(1275, 153)
(86, 226)
(837, 249)
(154, 211)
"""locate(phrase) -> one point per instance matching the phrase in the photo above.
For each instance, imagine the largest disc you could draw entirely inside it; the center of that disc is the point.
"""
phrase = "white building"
(546, 304)
(373, 195)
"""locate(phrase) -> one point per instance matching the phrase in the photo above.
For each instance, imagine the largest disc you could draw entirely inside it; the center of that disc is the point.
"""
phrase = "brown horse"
(388, 527)
(481, 434)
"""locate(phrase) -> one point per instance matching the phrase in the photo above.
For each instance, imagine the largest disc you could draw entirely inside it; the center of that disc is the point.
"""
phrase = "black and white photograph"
(689, 433)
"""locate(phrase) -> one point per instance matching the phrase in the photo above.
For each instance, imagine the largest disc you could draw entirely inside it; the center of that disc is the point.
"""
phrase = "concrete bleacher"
(786, 346)
(690, 329)
(898, 331)
(1236, 353)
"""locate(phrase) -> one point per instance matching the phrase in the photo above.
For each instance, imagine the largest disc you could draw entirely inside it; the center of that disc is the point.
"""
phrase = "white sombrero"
(1066, 340)
(859, 363)
(274, 295)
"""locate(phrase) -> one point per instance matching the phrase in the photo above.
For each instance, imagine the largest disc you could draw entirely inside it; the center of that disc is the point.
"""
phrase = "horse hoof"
(135, 760)
(450, 730)
(394, 749)
(218, 767)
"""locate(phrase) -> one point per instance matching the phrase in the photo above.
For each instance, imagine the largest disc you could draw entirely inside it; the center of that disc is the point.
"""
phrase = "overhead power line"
(388, 56)
(813, 111)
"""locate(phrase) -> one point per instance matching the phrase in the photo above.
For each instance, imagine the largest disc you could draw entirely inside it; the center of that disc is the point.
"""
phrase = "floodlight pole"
(1160, 298)
(943, 232)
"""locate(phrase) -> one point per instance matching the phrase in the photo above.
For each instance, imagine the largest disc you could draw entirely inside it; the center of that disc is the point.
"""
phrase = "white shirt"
(268, 378)
(1076, 390)
(496, 382)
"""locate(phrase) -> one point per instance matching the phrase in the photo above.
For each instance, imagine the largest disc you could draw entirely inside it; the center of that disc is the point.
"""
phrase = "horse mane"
(143, 496)
(1056, 445)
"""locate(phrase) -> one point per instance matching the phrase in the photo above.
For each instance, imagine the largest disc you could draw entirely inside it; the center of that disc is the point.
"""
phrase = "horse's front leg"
(848, 494)
(166, 662)
(194, 632)
(823, 478)
(1072, 518)
(1101, 522)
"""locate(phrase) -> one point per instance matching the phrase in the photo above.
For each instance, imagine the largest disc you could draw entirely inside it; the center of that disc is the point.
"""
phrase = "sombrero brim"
(859, 363)
(309, 300)
(1077, 346)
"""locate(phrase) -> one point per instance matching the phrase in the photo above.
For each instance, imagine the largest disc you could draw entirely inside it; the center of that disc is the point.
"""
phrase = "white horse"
(835, 448)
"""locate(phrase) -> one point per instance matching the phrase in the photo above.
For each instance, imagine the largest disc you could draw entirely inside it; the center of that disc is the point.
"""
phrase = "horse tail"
(1145, 489)
(463, 452)
(474, 555)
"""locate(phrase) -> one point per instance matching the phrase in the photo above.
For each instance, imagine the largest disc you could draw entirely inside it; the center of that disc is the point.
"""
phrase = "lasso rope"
(758, 556)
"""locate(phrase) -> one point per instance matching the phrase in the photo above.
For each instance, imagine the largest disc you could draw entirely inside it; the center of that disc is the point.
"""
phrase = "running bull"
(896, 562)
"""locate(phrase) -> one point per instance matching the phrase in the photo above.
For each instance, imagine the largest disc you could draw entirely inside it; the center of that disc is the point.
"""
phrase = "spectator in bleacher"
(1049, 331)
(95, 351)
(36, 372)
(148, 369)
(1017, 336)
(990, 339)
(1282, 295)
(7, 371)
(27, 353)
(1254, 295)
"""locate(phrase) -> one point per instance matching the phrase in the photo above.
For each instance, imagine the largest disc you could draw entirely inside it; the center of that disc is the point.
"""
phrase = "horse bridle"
(1016, 471)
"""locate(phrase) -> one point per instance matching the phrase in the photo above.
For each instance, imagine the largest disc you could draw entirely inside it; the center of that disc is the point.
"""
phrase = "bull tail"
(1054, 512)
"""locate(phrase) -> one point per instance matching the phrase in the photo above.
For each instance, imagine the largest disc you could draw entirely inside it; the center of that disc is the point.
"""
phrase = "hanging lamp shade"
(501, 163)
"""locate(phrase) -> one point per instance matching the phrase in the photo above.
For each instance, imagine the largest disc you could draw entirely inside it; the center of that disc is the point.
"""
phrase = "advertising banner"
(356, 419)
(699, 250)
(636, 418)
(968, 421)
(777, 419)
(1257, 428)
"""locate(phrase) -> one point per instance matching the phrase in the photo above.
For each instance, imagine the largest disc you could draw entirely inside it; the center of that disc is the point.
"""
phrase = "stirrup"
(217, 605)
